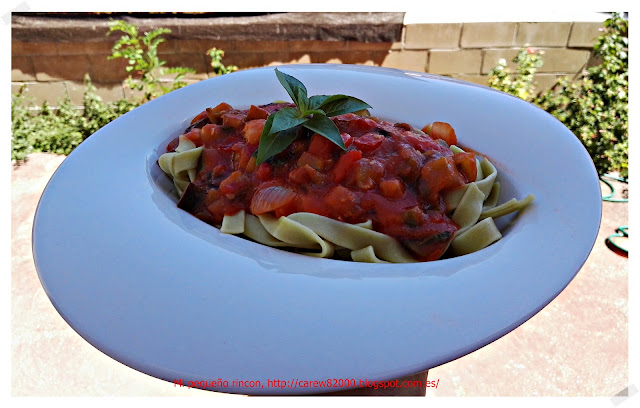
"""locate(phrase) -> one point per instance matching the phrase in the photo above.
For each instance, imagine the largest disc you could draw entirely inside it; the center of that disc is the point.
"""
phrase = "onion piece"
(271, 198)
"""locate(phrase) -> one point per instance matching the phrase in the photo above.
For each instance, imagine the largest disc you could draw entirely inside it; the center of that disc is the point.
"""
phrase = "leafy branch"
(594, 105)
(219, 68)
(141, 53)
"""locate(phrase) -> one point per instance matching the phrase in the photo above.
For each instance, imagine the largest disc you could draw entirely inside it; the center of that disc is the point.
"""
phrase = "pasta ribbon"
(292, 232)
(456, 149)
(485, 183)
(494, 194)
(181, 165)
(480, 236)
(510, 206)
(366, 254)
(354, 237)
(254, 229)
(479, 173)
(233, 224)
(469, 208)
(489, 176)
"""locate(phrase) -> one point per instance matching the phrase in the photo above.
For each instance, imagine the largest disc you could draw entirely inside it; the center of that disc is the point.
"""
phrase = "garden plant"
(594, 105)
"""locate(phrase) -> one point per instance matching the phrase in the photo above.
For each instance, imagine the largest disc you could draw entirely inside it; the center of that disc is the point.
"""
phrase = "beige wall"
(462, 50)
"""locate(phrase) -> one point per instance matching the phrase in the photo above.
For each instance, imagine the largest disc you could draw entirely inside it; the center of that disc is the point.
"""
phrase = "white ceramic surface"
(168, 295)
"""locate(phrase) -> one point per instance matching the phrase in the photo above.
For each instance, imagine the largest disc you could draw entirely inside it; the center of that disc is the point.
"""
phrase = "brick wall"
(466, 51)
(469, 51)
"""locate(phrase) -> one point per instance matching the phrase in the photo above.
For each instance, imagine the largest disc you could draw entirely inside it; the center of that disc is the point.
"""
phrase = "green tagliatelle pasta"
(487, 174)
(494, 194)
(510, 206)
(473, 208)
(366, 254)
(182, 164)
(469, 208)
(287, 230)
(479, 236)
(254, 229)
(353, 237)
(234, 224)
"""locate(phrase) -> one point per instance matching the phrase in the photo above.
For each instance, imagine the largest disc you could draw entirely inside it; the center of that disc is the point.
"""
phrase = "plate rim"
(78, 152)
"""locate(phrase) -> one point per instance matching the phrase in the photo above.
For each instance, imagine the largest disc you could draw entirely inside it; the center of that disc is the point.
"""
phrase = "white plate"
(166, 294)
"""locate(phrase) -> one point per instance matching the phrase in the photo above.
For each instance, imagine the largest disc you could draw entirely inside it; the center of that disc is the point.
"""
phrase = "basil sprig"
(313, 113)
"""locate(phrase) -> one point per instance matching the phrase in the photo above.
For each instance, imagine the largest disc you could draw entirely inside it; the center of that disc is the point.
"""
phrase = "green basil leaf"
(324, 126)
(312, 112)
(340, 104)
(316, 100)
(286, 118)
(296, 90)
(274, 143)
(265, 139)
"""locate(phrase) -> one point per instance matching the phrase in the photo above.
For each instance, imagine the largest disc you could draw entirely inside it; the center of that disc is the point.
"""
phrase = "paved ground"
(576, 346)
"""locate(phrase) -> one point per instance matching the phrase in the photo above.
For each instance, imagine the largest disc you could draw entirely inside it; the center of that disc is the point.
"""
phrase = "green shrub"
(141, 53)
(97, 113)
(44, 129)
(219, 68)
(22, 126)
(520, 84)
(595, 106)
(59, 130)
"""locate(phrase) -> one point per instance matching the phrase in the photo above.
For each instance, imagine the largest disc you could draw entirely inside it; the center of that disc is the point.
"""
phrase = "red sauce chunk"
(390, 173)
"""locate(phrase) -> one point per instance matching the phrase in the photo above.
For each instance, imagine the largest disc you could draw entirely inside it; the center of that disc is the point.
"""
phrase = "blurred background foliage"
(593, 105)
(43, 129)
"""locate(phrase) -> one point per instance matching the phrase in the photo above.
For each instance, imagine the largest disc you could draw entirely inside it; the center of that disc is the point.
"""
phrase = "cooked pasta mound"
(396, 194)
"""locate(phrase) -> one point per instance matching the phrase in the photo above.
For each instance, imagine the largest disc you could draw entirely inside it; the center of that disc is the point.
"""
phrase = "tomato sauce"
(390, 173)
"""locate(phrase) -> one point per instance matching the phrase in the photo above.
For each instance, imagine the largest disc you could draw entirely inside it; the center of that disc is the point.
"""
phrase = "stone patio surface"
(576, 346)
